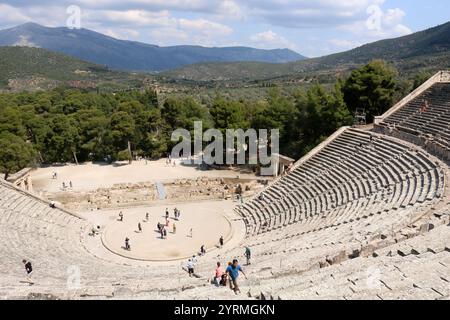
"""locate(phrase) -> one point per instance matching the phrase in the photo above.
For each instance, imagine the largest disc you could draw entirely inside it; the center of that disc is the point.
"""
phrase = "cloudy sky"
(310, 27)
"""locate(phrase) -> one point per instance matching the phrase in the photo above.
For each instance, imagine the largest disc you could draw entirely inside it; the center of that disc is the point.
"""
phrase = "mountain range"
(427, 50)
(26, 67)
(131, 55)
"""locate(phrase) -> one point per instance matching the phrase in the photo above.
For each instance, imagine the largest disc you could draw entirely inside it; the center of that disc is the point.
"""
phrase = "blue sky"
(310, 27)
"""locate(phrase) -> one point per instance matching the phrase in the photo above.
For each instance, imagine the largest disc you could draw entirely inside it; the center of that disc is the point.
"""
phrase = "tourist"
(52, 204)
(167, 213)
(233, 273)
(95, 231)
(64, 185)
(162, 232)
(146, 216)
(178, 214)
(127, 244)
(139, 227)
(218, 275)
(70, 184)
(174, 228)
(194, 259)
(202, 250)
(223, 280)
(165, 233)
(221, 241)
(190, 267)
(225, 275)
(158, 226)
(120, 216)
(175, 213)
(28, 269)
(425, 107)
(167, 222)
(190, 233)
(248, 254)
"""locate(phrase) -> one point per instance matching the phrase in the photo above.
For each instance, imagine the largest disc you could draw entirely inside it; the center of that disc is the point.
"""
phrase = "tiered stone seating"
(352, 178)
(433, 122)
(414, 269)
(344, 223)
(52, 240)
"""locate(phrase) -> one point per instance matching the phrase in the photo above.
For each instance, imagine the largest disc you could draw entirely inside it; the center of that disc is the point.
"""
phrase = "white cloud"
(9, 14)
(167, 36)
(379, 25)
(402, 30)
(113, 34)
(136, 18)
(204, 26)
(230, 9)
(271, 40)
(156, 27)
(309, 14)
(210, 22)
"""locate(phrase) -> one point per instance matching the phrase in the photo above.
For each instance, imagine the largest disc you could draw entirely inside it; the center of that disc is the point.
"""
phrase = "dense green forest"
(68, 125)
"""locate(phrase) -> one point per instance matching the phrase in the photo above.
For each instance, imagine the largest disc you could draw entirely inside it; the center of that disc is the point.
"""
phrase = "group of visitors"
(161, 227)
(95, 231)
(191, 265)
(64, 185)
(162, 230)
(230, 276)
(223, 278)
(192, 261)
(231, 273)
(170, 161)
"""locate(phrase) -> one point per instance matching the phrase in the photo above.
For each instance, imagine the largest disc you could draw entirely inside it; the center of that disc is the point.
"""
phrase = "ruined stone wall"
(133, 194)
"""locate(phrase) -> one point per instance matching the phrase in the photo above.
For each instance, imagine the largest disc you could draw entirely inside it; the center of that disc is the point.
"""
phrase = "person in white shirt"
(190, 267)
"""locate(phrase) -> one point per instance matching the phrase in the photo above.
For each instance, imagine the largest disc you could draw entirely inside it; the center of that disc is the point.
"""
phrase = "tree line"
(67, 125)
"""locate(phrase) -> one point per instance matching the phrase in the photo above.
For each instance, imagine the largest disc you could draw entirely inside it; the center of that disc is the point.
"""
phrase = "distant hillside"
(23, 68)
(429, 49)
(129, 55)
